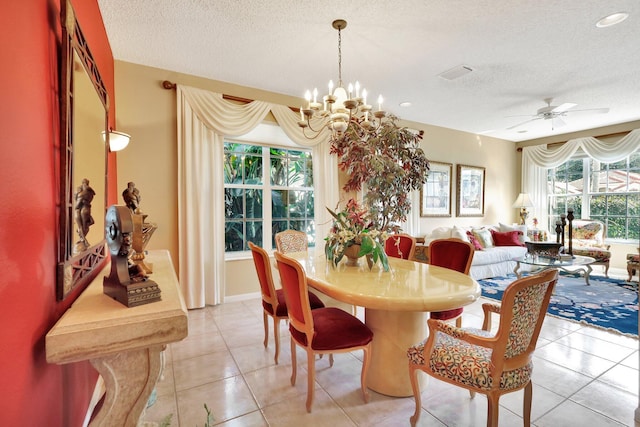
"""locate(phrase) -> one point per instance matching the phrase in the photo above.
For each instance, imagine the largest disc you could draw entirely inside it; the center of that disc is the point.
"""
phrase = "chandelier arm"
(317, 133)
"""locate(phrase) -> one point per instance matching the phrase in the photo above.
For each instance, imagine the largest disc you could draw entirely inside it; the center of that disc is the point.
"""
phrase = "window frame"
(586, 195)
(266, 187)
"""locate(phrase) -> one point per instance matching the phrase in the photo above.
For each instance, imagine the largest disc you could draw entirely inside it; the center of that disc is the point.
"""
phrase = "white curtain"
(537, 159)
(204, 119)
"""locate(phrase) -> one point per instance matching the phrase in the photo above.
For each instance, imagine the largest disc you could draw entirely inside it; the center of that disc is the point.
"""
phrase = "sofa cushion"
(507, 238)
(459, 233)
(472, 239)
(498, 254)
(484, 237)
(522, 228)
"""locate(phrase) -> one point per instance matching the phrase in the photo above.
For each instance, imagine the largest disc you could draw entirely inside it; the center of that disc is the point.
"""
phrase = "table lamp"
(523, 202)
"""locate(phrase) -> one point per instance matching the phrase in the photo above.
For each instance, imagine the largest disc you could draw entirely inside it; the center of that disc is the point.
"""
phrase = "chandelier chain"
(339, 56)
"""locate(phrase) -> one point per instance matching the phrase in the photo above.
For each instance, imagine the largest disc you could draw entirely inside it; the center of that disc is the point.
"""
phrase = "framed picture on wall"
(470, 190)
(435, 194)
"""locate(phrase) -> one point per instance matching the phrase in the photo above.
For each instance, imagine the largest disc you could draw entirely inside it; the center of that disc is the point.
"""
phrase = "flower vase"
(352, 255)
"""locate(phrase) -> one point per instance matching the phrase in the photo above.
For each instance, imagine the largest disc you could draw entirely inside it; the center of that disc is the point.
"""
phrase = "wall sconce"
(523, 202)
(117, 140)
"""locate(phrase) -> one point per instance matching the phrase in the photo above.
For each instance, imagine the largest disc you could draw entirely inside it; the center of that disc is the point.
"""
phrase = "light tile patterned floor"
(582, 376)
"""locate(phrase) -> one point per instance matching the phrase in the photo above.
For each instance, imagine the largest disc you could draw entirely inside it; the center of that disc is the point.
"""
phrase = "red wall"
(33, 392)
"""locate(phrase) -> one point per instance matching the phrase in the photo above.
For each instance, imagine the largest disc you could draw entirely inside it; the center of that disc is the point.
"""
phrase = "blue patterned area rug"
(607, 303)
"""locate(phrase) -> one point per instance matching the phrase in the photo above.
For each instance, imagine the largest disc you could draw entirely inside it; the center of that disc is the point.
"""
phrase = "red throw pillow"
(507, 238)
(476, 244)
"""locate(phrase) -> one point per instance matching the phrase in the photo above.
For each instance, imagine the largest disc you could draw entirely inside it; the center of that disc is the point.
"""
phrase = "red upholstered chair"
(273, 301)
(291, 241)
(481, 362)
(454, 254)
(320, 331)
(400, 246)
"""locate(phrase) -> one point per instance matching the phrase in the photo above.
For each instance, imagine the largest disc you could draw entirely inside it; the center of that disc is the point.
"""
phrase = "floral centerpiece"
(354, 236)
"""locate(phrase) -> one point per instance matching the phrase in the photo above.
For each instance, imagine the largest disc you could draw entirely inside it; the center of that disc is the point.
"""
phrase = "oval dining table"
(394, 302)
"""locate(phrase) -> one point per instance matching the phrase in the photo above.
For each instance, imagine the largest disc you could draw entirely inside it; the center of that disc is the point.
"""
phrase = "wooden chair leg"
(265, 321)
(276, 336)
(493, 409)
(294, 364)
(415, 386)
(526, 410)
(311, 380)
(365, 369)
(459, 322)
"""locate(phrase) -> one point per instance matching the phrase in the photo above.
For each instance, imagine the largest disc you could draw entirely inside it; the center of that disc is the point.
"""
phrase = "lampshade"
(523, 201)
(117, 140)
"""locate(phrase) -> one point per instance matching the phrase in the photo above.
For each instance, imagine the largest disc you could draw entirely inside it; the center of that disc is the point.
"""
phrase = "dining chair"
(291, 241)
(481, 362)
(321, 331)
(400, 246)
(273, 301)
(454, 254)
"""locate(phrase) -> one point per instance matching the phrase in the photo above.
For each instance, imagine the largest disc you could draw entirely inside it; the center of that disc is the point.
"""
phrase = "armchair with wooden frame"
(400, 246)
(482, 362)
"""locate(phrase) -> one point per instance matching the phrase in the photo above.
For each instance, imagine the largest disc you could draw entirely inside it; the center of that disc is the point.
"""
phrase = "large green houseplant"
(389, 163)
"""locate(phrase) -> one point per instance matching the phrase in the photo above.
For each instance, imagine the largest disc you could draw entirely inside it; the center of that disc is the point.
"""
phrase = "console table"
(123, 344)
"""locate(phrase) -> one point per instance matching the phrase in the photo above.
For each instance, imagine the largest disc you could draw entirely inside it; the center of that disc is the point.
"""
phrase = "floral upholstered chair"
(291, 241)
(588, 240)
(482, 362)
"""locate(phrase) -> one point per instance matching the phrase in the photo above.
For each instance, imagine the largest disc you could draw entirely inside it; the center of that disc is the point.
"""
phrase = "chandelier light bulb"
(380, 99)
(364, 96)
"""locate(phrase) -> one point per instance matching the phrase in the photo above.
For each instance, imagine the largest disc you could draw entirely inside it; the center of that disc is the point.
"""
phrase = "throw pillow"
(459, 233)
(508, 238)
(476, 245)
(522, 228)
(484, 237)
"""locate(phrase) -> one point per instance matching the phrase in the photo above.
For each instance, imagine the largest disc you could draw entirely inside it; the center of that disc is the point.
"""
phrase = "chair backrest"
(400, 246)
(291, 241)
(296, 294)
(454, 254)
(263, 268)
(522, 311)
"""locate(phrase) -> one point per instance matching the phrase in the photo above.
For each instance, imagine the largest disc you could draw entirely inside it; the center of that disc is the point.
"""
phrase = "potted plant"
(353, 235)
(389, 163)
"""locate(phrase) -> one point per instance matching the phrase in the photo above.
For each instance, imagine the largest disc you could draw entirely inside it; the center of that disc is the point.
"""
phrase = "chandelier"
(342, 109)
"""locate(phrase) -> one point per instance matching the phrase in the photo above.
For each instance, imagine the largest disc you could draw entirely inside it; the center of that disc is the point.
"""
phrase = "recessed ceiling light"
(613, 19)
(405, 104)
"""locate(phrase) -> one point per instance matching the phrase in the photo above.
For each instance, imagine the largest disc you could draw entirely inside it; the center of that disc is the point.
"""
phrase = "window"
(266, 190)
(609, 192)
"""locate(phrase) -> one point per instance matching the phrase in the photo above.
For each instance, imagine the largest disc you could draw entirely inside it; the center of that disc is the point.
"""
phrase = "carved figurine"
(127, 282)
(131, 196)
(83, 196)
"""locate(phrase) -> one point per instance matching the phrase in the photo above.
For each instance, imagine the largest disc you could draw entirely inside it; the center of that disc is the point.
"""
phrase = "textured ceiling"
(521, 52)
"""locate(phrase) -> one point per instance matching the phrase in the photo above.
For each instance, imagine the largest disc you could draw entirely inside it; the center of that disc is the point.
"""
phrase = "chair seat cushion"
(467, 364)
(328, 320)
(447, 314)
(314, 302)
(600, 254)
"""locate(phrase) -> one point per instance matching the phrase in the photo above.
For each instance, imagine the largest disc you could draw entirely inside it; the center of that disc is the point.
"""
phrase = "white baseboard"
(243, 297)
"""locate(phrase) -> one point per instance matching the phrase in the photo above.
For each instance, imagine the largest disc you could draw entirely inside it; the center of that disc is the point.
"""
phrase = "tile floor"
(582, 376)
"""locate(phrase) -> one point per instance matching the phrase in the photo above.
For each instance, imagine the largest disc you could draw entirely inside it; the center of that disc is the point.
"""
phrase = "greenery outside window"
(609, 192)
(267, 190)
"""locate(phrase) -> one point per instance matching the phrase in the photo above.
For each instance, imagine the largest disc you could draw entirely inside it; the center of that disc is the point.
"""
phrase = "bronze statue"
(84, 196)
(131, 196)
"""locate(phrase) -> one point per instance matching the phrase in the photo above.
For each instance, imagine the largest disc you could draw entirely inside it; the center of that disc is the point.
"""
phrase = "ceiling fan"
(555, 114)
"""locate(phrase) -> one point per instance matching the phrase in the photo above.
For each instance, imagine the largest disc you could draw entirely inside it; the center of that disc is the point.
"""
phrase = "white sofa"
(490, 261)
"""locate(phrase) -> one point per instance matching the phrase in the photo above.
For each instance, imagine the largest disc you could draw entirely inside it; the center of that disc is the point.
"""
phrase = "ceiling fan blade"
(593, 110)
(523, 123)
(563, 107)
